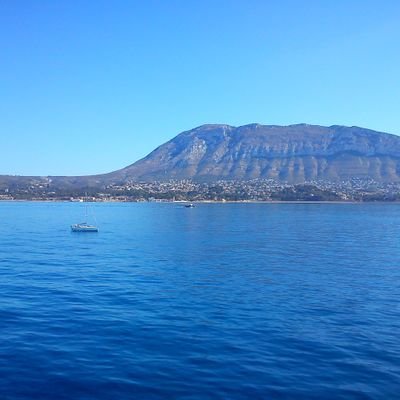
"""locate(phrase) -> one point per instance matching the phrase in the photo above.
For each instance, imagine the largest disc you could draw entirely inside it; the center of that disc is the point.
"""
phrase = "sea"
(219, 301)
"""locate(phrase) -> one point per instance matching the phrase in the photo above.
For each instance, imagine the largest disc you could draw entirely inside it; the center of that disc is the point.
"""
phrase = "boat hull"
(83, 228)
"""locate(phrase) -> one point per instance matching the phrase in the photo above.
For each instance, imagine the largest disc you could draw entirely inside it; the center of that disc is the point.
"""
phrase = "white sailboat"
(84, 226)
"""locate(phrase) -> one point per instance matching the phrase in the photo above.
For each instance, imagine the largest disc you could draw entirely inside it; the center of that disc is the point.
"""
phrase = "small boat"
(190, 205)
(84, 227)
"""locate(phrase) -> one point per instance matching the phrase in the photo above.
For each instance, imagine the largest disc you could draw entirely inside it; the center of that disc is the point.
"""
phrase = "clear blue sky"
(92, 86)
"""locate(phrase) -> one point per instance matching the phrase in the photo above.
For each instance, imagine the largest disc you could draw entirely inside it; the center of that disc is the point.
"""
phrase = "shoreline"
(204, 201)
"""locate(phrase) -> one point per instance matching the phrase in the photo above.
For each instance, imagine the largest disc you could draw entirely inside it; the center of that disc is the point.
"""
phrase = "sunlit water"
(222, 301)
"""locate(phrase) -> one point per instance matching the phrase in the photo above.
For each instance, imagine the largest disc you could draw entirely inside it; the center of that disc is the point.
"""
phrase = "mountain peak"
(211, 126)
(293, 153)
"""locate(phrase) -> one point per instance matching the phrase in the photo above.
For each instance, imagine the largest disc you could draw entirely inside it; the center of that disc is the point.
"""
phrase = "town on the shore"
(353, 190)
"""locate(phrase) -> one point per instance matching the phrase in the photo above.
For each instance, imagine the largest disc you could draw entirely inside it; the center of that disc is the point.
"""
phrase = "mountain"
(294, 153)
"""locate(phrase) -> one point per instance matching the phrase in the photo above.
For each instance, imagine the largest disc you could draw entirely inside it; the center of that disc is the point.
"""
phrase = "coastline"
(204, 201)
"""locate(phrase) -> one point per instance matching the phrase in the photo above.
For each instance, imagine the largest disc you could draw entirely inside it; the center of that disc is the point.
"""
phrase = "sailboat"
(84, 226)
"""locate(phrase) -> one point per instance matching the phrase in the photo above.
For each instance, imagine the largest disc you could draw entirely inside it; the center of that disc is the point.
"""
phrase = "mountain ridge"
(294, 153)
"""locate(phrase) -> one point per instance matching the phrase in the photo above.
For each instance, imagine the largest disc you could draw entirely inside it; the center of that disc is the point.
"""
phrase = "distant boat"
(190, 205)
(84, 226)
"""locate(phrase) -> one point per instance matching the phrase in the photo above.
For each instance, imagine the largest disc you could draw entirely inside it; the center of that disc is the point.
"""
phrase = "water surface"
(222, 301)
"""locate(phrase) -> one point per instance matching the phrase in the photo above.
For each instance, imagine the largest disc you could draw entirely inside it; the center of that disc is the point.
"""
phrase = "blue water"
(222, 301)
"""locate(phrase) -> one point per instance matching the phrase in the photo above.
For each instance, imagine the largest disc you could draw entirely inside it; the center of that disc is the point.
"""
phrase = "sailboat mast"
(86, 207)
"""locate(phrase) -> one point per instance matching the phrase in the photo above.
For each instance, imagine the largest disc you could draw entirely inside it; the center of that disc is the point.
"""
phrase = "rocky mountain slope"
(294, 153)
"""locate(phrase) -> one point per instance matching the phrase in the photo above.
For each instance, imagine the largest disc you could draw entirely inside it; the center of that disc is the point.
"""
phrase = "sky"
(89, 87)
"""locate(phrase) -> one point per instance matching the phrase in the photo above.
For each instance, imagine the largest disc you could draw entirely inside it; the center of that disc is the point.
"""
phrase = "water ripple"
(227, 301)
